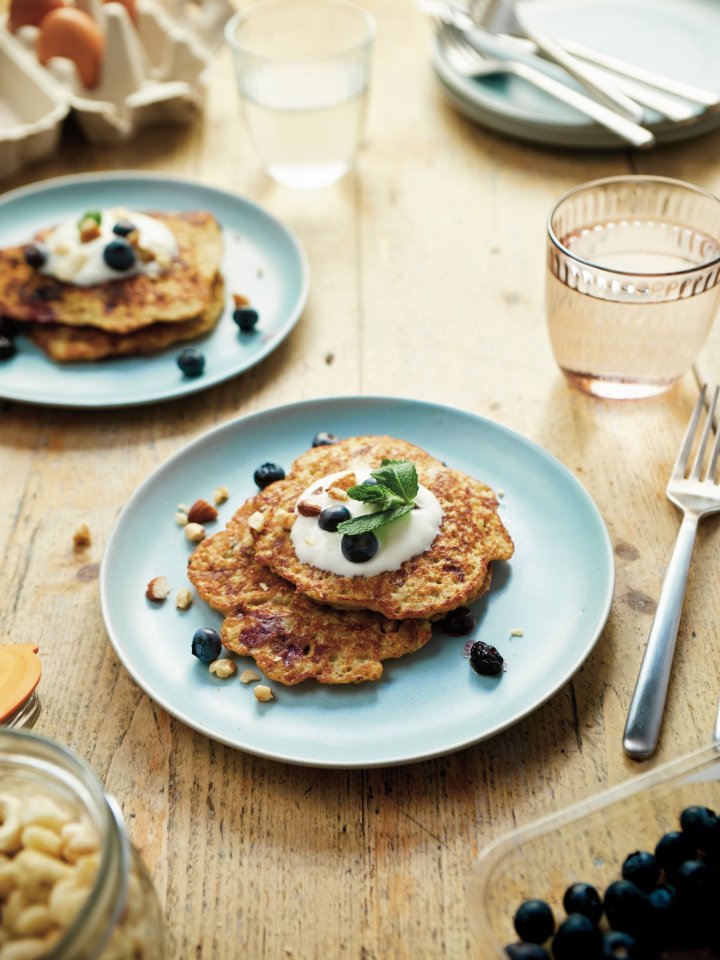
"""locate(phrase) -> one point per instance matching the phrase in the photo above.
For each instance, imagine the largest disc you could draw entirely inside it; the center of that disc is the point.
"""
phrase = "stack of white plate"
(678, 38)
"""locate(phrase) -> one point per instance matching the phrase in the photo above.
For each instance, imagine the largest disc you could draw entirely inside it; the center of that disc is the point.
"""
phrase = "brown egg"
(23, 13)
(71, 33)
(129, 5)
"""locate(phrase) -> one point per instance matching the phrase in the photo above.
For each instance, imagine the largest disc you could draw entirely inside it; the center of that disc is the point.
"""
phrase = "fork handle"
(642, 729)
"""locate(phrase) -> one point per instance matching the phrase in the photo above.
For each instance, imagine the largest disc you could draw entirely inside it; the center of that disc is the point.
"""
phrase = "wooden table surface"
(427, 268)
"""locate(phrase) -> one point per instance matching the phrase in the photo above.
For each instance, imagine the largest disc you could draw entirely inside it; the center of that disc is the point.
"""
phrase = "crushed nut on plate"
(256, 521)
(201, 511)
(247, 676)
(263, 693)
(220, 495)
(517, 632)
(158, 589)
(195, 532)
(223, 668)
(183, 598)
(181, 519)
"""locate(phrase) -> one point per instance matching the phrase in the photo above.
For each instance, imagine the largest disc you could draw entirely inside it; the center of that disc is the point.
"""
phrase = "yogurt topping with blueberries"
(123, 244)
(325, 504)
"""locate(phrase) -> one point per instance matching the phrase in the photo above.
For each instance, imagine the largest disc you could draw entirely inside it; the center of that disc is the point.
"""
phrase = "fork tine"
(716, 448)
(678, 471)
(700, 456)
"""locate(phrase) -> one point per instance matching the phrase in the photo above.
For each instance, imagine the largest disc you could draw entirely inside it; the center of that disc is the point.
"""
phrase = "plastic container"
(107, 889)
(586, 842)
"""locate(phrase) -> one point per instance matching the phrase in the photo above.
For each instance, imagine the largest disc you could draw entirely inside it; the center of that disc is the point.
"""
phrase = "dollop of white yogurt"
(72, 261)
(399, 541)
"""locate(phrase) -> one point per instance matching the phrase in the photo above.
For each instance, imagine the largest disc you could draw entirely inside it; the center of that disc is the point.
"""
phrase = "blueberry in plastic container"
(534, 921)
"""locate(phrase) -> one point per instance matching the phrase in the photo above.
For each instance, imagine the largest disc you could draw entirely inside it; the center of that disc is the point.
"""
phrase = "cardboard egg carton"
(153, 72)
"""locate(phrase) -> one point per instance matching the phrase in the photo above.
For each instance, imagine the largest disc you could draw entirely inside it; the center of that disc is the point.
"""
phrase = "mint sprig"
(394, 495)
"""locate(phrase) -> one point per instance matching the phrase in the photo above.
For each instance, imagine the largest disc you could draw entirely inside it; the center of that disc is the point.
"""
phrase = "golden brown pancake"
(291, 638)
(180, 293)
(69, 344)
(451, 573)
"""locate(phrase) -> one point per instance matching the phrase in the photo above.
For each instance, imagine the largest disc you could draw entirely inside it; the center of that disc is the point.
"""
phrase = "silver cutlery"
(698, 496)
(674, 99)
(500, 16)
(468, 61)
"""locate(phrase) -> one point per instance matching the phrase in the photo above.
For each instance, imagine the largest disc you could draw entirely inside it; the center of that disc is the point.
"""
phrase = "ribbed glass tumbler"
(633, 282)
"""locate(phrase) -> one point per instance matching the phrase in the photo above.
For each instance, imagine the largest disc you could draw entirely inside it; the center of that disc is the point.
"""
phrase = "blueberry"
(35, 254)
(526, 951)
(534, 921)
(642, 869)
(617, 945)
(191, 362)
(627, 908)
(323, 439)
(359, 547)
(123, 228)
(7, 348)
(268, 473)
(119, 255)
(246, 318)
(673, 849)
(485, 659)
(8, 327)
(577, 937)
(458, 622)
(332, 516)
(701, 826)
(206, 645)
(583, 898)
(662, 911)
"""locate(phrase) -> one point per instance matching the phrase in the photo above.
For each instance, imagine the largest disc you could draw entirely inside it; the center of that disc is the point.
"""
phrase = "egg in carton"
(120, 66)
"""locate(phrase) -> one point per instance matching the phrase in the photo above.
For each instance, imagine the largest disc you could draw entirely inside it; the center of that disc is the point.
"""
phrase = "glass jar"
(20, 671)
(118, 914)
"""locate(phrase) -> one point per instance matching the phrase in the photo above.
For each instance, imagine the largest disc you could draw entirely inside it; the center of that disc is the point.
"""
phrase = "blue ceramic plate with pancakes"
(557, 590)
(262, 261)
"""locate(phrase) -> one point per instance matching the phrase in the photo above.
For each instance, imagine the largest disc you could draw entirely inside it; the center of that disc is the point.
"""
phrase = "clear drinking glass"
(303, 68)
(633, 282)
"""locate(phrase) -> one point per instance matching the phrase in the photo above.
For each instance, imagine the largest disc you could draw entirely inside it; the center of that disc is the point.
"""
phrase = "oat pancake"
(451, 573)
(69, 344)
(290, 637)
(182, 292)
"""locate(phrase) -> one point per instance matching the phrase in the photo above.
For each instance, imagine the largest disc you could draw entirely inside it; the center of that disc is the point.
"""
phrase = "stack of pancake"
(300, 622)
(125, 317)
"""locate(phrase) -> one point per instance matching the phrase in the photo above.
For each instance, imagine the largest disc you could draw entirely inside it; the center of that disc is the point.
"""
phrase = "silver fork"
(501, 16)
(467, 60)
(697, 496)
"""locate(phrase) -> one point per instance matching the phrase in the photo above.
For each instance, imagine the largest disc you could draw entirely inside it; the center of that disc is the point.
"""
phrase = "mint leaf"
(95, 215)
(371, 521)
(374, 493)
(401, 478)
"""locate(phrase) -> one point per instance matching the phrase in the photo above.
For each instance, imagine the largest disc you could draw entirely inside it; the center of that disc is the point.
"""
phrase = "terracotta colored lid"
(20, 671)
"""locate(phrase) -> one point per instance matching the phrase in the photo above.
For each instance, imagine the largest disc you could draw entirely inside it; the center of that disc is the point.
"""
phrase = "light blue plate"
(557, 589)
(262, 260)
(678, 38)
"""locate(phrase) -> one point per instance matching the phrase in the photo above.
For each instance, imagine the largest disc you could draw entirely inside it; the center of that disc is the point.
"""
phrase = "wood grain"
(427, 267)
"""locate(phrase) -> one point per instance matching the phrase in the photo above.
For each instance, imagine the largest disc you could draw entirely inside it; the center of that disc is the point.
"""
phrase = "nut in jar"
(71, 886)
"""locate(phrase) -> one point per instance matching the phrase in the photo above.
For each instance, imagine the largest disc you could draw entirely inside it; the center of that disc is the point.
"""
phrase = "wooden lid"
(20, 671)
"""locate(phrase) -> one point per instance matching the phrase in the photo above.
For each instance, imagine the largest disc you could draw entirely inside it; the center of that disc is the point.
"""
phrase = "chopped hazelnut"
(344, 483)
(183, 598)
(82, 536)
(183, 508)
(337, 493)
(181, 519)
(195, 532)
(264, 587)
(89, 229)
(239, 300)
(201, 512)
(256, 521)
(223, 668)
(158, 589)
(517, 632)
(220, 495)
(247, 676)
(307, 509)
(263, 693)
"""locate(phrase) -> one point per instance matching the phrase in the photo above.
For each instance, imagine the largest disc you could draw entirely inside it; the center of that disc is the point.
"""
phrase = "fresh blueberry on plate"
(191, 362)
(206, 645)
(268, 473)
